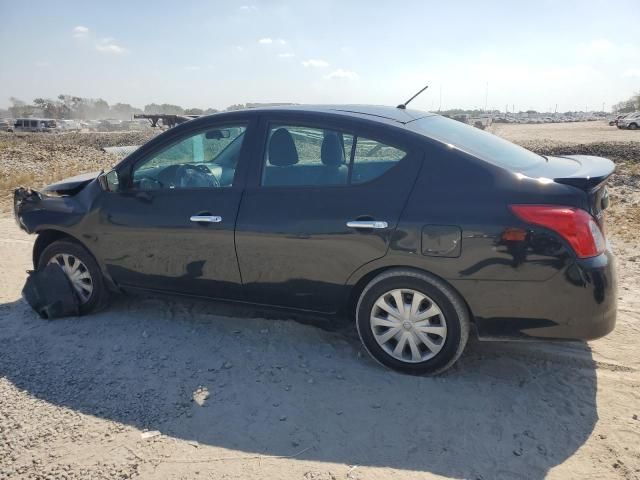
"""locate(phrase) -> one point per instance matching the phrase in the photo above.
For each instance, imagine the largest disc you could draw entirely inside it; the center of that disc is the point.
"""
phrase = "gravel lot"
(575, 132)
(179, 389)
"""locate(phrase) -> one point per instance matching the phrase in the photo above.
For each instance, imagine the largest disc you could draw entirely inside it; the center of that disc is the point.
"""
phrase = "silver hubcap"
(78, 274)
(408, 325)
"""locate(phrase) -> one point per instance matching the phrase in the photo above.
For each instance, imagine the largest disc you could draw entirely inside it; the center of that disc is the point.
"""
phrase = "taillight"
(576, 226)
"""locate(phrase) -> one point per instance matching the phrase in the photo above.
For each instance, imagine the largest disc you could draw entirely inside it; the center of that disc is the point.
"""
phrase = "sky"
(529, 55)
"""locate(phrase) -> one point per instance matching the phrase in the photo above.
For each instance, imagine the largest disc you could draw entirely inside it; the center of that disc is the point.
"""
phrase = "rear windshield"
(477, 142)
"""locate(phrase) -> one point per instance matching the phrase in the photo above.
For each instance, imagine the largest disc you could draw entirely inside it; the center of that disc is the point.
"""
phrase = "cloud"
(342, 74)
(272, 41)
(192, 68)
(248, 8)
(80, 31)
(286, 55)
(601, 45)
(632, 72)
(108, 45)
(315, 63)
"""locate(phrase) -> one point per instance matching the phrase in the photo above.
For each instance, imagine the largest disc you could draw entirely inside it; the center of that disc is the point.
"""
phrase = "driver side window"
(203, 160)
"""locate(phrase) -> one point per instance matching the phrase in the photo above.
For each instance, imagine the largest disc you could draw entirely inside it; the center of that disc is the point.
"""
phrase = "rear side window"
(477, 142)
(304, 156)
(373, 159)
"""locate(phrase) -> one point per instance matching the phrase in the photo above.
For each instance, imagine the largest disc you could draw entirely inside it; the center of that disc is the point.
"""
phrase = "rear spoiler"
(592, 173)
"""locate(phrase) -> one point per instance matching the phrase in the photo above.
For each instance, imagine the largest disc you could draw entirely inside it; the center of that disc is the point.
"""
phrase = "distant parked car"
(614, 121)
(5, 126)
(34, 125)
(631, 121)
(414, 226)
(109, 125)
(69, 125)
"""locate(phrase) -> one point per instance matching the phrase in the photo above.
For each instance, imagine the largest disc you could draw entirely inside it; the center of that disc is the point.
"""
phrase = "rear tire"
(633, 126)
(426, 335)
(81, 269)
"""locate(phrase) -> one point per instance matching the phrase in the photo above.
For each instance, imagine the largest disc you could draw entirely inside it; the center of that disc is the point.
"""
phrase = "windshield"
(479, 143)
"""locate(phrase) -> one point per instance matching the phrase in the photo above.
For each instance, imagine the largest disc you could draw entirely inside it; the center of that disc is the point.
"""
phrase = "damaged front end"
(24, 199)
(60, 204)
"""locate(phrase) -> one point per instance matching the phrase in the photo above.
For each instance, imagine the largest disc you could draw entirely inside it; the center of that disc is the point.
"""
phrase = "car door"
(323, 200)
(171, 226)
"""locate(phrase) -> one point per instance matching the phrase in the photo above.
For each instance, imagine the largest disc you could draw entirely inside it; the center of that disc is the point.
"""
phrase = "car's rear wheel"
(633, 126)
(412, 322)
(81, 269)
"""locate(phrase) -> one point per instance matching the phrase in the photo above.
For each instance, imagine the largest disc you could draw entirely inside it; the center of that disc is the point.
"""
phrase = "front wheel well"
(361, 284)
(46, 238)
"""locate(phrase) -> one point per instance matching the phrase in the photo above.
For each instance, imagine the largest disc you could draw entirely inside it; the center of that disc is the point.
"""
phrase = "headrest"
(282, 149)
(331, 152)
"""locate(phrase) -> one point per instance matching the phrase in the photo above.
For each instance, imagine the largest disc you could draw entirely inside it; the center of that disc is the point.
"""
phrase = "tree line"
(632, 104)
(72, 107)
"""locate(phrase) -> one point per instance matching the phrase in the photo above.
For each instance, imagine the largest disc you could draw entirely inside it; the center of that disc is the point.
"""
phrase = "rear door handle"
(367, 224)
(206, 218)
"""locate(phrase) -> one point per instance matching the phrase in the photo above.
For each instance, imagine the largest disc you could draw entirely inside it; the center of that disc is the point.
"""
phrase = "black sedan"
(419, 228)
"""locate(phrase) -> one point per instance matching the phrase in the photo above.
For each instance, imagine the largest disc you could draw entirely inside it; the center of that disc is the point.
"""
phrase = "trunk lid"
(585, 172)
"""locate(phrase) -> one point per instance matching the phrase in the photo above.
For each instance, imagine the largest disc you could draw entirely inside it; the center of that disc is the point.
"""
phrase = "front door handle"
(206, 218)
(367, 224)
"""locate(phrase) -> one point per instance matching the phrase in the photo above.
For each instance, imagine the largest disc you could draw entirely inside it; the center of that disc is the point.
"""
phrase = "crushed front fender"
(36, 210)
(25, 199)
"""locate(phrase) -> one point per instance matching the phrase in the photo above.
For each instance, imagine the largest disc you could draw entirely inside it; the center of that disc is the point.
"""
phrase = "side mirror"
(109, 181)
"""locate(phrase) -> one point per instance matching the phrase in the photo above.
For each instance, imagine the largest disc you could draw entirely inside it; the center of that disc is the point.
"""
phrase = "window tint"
(306, 156)
(482, 144)
(373, 159)
(204, 160)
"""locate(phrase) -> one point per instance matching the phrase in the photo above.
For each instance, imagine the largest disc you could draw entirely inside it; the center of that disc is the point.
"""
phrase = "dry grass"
(36, 160)
(623, 215)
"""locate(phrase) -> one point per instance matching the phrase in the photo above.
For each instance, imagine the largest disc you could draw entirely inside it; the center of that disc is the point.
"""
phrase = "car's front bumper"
(579, 303)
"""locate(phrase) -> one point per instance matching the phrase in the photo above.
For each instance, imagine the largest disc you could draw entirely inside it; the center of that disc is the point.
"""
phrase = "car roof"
(382, 113)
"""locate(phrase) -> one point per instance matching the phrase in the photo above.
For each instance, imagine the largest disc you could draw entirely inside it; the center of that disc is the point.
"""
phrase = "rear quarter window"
(479, 143)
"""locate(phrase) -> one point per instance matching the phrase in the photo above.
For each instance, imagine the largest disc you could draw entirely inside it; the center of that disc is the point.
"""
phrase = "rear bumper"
(579, 303)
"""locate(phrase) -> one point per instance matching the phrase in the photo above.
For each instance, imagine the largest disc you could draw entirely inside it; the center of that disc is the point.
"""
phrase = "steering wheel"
(149, 183)
(195, 176)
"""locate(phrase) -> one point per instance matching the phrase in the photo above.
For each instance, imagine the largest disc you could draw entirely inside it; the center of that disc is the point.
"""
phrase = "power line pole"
(486, 97)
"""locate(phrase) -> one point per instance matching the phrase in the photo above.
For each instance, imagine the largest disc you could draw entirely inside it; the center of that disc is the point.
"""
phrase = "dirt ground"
(575, 132)
(179, 389)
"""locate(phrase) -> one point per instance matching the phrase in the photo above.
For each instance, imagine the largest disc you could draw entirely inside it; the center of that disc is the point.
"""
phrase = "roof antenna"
(403, 106)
